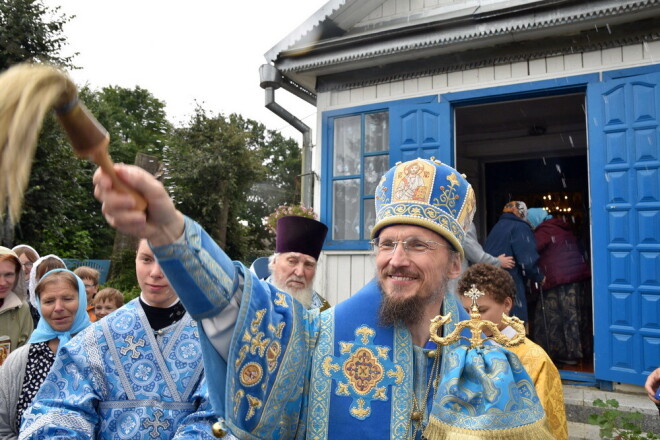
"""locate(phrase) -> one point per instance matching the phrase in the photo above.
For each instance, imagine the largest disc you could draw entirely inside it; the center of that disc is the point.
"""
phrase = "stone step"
(579, 405)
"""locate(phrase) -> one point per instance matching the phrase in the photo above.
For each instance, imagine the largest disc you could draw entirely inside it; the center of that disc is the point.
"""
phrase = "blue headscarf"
(536, 216)
(44, 332)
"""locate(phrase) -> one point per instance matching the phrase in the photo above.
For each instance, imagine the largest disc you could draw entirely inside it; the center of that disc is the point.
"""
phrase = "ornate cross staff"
(476, 326)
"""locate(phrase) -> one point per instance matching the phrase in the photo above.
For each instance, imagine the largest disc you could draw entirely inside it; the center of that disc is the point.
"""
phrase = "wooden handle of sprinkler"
(90, 141)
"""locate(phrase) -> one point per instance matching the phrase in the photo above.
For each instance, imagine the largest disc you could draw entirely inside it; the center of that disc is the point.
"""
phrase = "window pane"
(374, 168)
(376, 127)
(346, 157)
(346, 209)
(369, 218)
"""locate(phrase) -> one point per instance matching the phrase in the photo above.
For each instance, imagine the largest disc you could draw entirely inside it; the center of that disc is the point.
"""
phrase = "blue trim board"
(634, 71)
(549, 87)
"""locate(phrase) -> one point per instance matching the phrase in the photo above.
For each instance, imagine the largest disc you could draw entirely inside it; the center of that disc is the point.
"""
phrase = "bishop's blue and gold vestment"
(119, 380)
(290, 373)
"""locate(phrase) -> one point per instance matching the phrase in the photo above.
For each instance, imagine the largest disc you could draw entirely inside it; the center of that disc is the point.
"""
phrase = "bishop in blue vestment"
(363, 369)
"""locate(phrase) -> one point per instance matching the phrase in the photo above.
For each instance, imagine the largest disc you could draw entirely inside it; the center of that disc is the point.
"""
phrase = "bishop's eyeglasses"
(412, 246)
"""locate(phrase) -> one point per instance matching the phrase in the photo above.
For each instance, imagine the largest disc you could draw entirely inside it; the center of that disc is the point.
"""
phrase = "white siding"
(343, 273)
(534, 70)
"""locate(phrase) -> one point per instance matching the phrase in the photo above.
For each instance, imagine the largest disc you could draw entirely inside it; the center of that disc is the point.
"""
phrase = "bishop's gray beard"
(410, 310)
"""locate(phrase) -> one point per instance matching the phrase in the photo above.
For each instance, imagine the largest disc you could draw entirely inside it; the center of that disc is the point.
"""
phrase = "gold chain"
(417, 414)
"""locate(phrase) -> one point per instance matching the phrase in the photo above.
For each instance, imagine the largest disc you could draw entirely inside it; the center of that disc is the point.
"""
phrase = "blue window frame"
(359, 156)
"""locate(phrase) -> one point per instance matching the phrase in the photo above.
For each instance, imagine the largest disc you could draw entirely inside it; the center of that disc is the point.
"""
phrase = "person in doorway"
(137, 373)
(298, 244)
(558, 315)
(107, 301)
(365, 368)
(16, 323)
(513, 236)
(61, 302)
(499, 292)
(90, 277)
(474, 253)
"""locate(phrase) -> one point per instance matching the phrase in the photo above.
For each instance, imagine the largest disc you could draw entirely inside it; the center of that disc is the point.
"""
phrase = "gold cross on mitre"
(476, 326)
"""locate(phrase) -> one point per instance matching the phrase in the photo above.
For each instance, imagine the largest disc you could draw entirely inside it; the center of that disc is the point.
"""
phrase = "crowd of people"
(212, 349)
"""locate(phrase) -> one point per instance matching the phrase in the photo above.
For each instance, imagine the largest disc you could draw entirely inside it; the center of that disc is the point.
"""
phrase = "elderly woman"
(62, 303)
(15, 319)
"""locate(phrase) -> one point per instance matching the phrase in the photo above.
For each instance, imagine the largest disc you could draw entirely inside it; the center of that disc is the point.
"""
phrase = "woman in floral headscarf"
(62, 301)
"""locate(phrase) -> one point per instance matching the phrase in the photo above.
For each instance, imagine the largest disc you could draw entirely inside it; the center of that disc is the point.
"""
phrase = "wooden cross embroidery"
(132, 346)
(155, 424)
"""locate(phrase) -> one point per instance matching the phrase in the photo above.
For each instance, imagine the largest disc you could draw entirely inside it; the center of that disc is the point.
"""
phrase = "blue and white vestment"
(119, 380)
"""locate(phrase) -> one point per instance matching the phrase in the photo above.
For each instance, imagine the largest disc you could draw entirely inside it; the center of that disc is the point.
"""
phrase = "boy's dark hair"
(491, 280)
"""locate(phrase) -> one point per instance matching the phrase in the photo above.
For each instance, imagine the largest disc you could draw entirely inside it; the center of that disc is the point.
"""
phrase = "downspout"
(271, 79)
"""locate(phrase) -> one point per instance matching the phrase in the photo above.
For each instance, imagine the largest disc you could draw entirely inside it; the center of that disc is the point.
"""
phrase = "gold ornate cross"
(477, 326)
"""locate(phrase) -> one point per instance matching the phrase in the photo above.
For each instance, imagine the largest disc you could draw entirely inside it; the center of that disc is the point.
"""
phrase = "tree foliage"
(136, 121)
(212, 166)
(280, 185)
(60, 214)
(31, 31)
(228, 173)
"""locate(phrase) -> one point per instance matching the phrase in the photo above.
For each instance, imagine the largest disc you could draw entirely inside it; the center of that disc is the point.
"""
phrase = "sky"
(204, 51)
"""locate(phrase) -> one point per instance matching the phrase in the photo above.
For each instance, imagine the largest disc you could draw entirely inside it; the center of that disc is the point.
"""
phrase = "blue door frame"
(623, 109)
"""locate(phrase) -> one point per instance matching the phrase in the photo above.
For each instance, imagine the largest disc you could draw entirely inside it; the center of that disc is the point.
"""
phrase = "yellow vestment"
(548, 385)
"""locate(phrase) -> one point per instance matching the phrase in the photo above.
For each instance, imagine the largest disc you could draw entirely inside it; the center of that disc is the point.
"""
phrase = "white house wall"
(341, 274)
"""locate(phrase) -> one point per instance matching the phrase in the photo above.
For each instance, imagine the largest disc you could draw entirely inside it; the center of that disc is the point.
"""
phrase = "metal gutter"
(272, 79)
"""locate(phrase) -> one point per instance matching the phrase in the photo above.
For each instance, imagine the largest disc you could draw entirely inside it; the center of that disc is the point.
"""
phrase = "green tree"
(60, 214)
(31, 31)
(136, 121)
(214, 162)
(280, 185)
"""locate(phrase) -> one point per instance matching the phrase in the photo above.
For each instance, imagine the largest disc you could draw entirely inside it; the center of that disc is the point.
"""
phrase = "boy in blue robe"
(137, 373)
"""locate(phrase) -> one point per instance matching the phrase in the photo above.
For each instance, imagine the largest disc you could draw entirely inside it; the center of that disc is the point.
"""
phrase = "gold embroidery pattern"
(237, 400)
(254, 404)
(366, 333)
(398, 374)
(281, 300)
(360, 412)
(328, 366)
(272, 355)
(251, 374)
(345, 347)
(363, 371)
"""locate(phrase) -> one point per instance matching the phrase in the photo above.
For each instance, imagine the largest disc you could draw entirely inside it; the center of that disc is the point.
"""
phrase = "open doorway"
(532, 150)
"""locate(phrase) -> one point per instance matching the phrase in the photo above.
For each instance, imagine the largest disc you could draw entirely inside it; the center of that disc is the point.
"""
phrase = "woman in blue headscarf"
(62, 302)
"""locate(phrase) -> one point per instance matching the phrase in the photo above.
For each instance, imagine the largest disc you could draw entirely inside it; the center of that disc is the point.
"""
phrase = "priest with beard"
(365, 368)
(298, 244)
